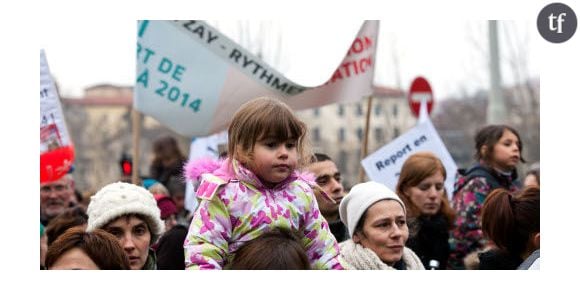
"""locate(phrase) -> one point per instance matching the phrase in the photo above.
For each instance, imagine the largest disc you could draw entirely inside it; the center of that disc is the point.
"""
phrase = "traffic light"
(126, 165)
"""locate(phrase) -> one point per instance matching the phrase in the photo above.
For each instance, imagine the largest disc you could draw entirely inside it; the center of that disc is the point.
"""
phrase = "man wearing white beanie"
(376, 221)
(130, 213)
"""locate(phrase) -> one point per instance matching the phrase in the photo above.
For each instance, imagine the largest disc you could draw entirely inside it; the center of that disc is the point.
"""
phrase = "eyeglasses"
(56, 187)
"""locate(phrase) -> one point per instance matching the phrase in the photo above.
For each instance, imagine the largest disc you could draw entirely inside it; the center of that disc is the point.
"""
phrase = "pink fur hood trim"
(193, 170)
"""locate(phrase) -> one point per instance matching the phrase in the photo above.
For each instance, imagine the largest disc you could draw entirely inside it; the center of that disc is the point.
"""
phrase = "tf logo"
(557, 22)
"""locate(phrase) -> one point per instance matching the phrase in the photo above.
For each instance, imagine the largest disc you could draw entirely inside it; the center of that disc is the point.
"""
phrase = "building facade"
(101, 128)
(338, 129)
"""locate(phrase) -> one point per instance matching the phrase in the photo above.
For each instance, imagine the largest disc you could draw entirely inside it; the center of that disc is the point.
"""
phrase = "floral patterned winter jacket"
(471, 189)
(234, 208)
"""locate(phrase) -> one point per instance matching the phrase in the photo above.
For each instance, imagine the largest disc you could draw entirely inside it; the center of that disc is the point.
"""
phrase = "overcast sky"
(452, 55)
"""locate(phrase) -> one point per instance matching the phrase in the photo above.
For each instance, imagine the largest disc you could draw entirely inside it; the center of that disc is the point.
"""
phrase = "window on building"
(359, 133)
(395, 110)
(341, 110)
(316, 112)
(396, 132)
(379, 138)
(378, 109)
(342, 163)
(341, 136)
(316, 134)
(359, 109)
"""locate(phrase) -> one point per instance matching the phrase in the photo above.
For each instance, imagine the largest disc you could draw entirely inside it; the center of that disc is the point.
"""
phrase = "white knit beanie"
(118, 199)
(360, 198)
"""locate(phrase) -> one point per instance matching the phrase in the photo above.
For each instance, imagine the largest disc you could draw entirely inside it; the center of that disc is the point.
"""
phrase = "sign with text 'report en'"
(385, 164)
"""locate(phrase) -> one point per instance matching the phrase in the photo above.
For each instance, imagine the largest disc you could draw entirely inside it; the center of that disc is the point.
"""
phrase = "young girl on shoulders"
(257, 189)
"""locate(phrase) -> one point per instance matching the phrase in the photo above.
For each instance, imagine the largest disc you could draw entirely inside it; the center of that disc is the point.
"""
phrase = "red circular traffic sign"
(420, 89)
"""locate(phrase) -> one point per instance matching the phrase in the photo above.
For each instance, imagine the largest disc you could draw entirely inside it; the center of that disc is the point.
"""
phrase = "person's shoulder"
(209, 186)
(411, 259)
(535, 265)
(477, 181)
(345, 244)
(300, 184)
(472, 184)
(485, 173)
(179, 228)
(301, 189)
(409, 252)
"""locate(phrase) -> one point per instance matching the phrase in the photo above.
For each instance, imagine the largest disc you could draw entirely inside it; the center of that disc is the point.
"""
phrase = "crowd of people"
(270, 203)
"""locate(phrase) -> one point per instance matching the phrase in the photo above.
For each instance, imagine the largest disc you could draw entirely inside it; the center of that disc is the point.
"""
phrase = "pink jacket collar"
(228, 171)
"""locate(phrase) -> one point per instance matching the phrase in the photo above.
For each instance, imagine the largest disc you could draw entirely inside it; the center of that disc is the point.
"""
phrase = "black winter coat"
(431, 240)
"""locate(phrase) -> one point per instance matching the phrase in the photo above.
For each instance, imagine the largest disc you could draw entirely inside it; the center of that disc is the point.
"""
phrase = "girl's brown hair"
(416, 168)
(102, 247)
(511, 220)
(263, 118)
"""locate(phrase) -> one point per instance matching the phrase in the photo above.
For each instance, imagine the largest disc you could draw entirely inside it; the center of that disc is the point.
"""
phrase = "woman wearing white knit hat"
(376, 221)
(130, 213)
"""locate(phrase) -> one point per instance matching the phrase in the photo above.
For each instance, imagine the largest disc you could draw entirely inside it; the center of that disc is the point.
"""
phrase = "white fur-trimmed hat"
(360, 198)
(118, 199)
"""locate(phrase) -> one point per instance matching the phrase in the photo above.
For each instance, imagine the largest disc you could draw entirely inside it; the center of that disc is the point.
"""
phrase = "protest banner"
(385, 164)
(56, 149)
(192, 78)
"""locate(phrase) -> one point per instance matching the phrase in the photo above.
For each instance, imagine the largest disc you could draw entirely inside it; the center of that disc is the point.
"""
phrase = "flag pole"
(364, 147)
(136, 119)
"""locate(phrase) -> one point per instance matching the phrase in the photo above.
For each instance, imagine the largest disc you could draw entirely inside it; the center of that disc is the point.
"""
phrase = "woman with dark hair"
(421, 187)
(512, 222)
(498, 152)
(278, 249)
(76, 249)
(377, 222)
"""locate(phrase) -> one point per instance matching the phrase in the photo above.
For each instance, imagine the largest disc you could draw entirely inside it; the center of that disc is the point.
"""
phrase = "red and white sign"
(56, 149)
(420, 90)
